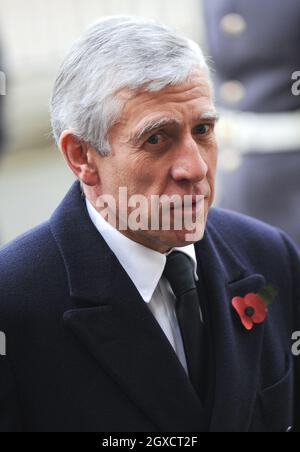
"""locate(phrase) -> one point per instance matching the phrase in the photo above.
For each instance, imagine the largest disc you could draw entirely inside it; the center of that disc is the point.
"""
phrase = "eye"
(155, 139)
(202, 129)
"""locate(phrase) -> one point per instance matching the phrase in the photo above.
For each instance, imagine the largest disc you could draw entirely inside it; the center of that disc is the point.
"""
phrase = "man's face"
(163, 144)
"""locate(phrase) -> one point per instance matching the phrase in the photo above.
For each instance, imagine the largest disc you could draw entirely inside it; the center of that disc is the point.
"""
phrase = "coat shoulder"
(253, 240)
(27, 250)
(234, 226)
(30, 265)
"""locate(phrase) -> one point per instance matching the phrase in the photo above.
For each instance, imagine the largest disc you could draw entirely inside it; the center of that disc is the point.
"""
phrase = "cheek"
(146, 176)
(113, 175)
(211, 160)
(213, 167)
(211, 175)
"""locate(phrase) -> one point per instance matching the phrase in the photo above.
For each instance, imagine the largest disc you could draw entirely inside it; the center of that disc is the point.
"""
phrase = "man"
(112, 328)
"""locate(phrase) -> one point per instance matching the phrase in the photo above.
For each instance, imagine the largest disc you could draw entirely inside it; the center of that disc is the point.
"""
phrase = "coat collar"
(119, 330)
(143, 265)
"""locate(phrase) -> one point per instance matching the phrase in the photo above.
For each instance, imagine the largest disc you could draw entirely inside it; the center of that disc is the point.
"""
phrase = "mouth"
(190, 202)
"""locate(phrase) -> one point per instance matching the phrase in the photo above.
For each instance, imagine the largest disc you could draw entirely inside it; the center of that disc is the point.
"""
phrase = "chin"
(179, 239)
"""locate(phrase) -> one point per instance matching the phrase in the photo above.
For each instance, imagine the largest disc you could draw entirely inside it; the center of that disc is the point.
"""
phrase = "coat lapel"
(110, 318)
(237, 351)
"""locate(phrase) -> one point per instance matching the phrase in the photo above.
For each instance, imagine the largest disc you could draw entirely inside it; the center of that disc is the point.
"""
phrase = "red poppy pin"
(253, 308)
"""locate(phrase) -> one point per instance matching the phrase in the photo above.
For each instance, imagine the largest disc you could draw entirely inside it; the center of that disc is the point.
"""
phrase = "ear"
(76, 153)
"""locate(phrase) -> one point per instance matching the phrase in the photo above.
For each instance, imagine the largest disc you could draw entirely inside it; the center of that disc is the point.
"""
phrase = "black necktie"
(179, 271)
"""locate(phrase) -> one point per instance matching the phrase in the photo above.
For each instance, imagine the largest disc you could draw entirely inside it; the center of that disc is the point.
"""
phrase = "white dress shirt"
(145, 267)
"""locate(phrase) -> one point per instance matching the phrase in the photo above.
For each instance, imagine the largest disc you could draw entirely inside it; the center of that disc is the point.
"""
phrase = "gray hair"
(115, 53)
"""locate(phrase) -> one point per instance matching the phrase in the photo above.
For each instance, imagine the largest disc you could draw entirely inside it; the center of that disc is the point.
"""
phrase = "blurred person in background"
(255, 50)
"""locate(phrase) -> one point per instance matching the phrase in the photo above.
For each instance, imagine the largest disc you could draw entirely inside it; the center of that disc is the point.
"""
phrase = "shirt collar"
(143, 265)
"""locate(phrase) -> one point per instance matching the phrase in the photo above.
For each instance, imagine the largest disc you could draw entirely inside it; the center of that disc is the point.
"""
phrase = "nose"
(189, 164)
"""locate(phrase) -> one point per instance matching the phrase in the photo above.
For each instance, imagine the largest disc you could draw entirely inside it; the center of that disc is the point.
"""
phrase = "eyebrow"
(151, 126)
(207, 116)
(154, 124)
